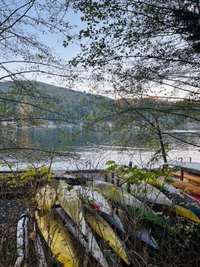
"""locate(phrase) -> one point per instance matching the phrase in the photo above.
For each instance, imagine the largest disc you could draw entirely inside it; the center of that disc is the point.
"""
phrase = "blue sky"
(54, 41)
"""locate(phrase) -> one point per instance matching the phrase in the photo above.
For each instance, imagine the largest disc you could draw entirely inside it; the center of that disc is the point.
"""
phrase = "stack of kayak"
(90, 225)
(187, 178)
(84, 214)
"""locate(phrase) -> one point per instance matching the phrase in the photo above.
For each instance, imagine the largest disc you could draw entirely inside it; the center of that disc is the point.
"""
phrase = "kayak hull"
(57, 239)
(104, 231)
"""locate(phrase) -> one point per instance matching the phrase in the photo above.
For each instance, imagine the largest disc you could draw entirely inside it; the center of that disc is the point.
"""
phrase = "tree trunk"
(163, 151)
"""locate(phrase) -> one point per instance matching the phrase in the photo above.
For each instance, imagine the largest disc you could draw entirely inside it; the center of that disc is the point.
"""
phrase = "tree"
(144, 49)
(142, 43)
(23, 25)
(26, 54)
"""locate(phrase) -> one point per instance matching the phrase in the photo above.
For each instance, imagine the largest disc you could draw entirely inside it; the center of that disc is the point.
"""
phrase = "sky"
(55, 42)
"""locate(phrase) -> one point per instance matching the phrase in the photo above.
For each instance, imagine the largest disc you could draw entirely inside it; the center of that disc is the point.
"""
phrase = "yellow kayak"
(119, 195)
(104, 231)
(188, 214)
(58, 239)
(71, 203)
(46, 198)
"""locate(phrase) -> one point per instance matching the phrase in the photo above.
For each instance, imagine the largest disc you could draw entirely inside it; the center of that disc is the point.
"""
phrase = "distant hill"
(67, 104)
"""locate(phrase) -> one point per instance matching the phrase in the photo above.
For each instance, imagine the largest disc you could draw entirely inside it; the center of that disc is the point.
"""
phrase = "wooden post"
(106, 177)
(182, 174)
(128, 187)
(112, 178)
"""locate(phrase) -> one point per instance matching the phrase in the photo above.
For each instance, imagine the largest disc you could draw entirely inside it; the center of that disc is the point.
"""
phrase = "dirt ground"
(11, 210)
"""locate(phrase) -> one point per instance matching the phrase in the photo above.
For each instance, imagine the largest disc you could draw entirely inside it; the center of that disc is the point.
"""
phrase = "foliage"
(144, 50)
(44, 102)
(29, 178)
(135, 175)
(142, 44)
(24, 27)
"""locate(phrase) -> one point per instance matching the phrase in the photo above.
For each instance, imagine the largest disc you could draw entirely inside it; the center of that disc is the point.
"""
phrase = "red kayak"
(195, 197)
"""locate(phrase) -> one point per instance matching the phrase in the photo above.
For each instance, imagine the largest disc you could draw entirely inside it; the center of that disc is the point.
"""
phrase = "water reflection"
(64, 138)
(60, 138)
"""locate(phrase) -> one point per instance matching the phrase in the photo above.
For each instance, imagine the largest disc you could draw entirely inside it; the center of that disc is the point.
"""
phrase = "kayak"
(120, 195)
(195, 197)
(186, 213)
(183, 204)
(162, 185)
(39, 251)
(57, 239)
(140, 232)
(46, 198)
(22, 241)
(144, 235)
(72, 205)
(104, 231)
(126, 201)
(150, 194)
(190, 177)
(72, 227)
(96, 201)
(187, 187)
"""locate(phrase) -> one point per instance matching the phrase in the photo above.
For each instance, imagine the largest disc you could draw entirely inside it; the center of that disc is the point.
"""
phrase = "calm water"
(94, 148)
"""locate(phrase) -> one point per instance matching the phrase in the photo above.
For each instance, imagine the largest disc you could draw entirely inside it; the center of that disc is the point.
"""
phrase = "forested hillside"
(39, 102)
(33, 103)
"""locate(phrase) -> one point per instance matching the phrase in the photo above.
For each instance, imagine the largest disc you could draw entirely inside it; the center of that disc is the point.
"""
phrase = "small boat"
(186, 187)
(195, 197)
(96, 201)
(72, 205)
(181, 203)
(57, 238)
(46, 197)
(104, 231)
(85, 240)
(188, 214)
(22, 241)
(189, 173)
(147, 192)
(184, 200)
(126, 201)
(144, 235)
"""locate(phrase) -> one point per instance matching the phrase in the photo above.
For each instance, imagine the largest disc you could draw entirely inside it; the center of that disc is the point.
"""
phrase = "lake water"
(94, 148)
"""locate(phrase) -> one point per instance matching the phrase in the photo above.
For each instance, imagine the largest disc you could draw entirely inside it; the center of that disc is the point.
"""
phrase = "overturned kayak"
(45, 197)
(96, 201)
(40, 252)
(57, 239)
(104, 231)
(72, 205)
(145, 236)
(148, 193)
(188, 214)
(195, 197)
(119, 195)
(181, 203)
(187, 187)
(22, 241)
(189, 177)
(184, 200)
(127, 201)
(140, 232)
